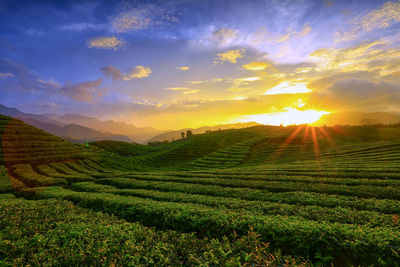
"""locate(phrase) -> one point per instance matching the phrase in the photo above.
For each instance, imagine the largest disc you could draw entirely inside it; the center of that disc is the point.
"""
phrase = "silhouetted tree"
(189, 134)
(367, 121)
(183, 135)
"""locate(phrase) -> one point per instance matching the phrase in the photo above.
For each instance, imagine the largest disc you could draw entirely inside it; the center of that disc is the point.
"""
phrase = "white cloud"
(289, 88)
(49, 83)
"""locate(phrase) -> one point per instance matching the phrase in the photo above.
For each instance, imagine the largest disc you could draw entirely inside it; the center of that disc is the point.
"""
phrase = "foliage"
(57, 233)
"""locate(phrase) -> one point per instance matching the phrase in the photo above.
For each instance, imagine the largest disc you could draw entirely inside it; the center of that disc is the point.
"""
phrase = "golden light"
(290, 117)
(289, 88)
(249, 79)
(256, 65)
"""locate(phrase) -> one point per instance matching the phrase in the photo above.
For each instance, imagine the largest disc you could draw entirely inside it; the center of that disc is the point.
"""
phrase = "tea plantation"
(259, 196)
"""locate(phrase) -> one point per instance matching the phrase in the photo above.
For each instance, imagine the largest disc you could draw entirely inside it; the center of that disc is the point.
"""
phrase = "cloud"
(291, 34)
(142, 17)
(380, 18)
(366, 56)
(6, 75)
(206, 81)
(289, 88)
(189, 92)
(184, 90)
(183, 68)
(359, 94)
(303, 70)
(231, 55)
(82, 26)
(177, 88)
(106, 43)
(256, 65)
(49, 83)
(224, 36)
(113, 72)
(82, 92)
(305, 31)
(137, 72)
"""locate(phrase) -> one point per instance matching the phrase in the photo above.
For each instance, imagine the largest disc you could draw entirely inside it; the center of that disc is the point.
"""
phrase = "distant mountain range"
(70, 131)
(138, 134)
(79, 129)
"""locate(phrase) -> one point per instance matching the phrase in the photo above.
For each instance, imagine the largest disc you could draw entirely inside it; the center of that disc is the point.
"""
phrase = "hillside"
(308, 192)
(175, 135)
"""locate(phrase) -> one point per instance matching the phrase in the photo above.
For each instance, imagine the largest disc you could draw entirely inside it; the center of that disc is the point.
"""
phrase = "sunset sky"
(189, 63)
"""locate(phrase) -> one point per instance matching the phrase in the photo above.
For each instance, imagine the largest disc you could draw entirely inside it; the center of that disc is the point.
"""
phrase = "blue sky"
(172, 64)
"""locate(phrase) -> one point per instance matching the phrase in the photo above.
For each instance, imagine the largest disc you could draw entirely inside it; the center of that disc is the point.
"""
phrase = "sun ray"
(327, 136)
(282, 147)
(315, 143)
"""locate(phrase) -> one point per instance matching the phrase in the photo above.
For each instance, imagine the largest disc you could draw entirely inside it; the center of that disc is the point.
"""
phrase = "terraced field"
(256, 196)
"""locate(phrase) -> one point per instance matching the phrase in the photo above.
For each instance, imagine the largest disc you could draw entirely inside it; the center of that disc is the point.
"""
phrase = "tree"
(369, 122)
(183, 135)
(189, 133)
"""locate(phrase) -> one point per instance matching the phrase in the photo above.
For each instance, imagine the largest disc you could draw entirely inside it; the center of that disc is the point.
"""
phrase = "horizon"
(186, 64)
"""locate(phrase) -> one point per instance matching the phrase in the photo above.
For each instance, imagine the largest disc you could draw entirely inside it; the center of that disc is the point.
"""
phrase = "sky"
(190, 63)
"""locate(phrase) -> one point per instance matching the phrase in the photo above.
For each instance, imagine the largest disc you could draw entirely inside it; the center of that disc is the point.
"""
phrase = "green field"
(264, 195)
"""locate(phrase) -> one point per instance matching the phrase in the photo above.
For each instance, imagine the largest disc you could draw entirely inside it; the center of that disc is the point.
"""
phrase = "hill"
(259, 195)
(175, 135)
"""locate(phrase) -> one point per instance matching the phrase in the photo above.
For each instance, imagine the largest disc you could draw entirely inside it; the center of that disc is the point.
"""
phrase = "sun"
(290, 116)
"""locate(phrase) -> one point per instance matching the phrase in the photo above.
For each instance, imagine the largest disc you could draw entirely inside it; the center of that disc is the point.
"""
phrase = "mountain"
(13, 112)
(71, 132)
(138, 134)
(76, 133)
(177, 134)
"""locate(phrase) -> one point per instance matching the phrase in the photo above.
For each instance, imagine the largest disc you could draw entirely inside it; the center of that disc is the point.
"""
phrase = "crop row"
(29, 177)
(5, 182)
(293, 235)
(58, 233)
(264, 178)
(366, 191)
(339, 214)
(301, 198)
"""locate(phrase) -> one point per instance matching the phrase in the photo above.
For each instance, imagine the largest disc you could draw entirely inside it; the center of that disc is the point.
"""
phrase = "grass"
(234, 197)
